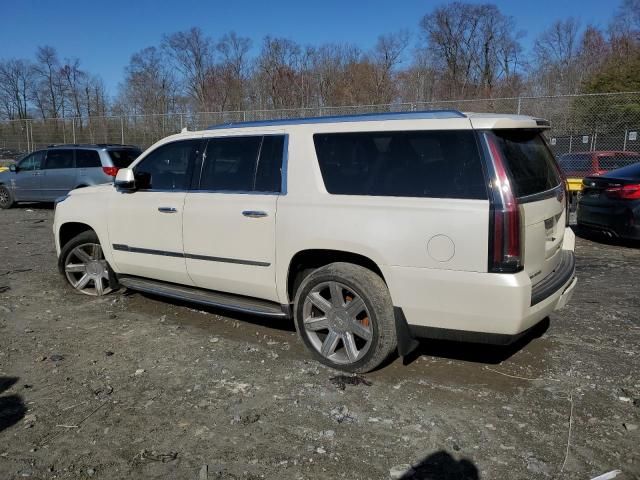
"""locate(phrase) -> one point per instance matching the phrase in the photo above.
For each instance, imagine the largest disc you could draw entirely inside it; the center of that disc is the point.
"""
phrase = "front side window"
(437, 164)
(168, 166)
(32, 162)
(59, 158)
(243, 164)
(87, 159)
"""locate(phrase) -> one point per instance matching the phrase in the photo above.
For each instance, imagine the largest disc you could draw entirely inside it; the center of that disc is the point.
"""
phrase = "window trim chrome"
(535, 197)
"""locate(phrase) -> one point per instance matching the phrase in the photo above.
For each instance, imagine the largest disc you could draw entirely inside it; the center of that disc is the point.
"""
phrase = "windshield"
(531, 164)
(123, 157)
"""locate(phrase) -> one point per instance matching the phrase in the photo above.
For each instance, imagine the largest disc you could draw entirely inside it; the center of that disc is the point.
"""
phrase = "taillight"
(504, 237)
(111, 171)
(624, 192)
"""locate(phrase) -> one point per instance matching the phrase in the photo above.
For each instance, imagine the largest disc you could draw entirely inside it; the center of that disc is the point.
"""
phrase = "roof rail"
(93, 145)
(364, 117)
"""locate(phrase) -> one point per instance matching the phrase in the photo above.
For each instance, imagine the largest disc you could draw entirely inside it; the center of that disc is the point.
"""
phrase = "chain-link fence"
(580, 123)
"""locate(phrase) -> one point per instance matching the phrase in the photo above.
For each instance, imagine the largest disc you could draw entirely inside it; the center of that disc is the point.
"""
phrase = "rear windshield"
(611, 162)
(531, 164)
(123, 157)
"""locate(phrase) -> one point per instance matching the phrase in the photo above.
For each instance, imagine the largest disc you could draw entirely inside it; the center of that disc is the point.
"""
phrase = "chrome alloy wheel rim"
(4, 197)
(87, 270)
(337, 322)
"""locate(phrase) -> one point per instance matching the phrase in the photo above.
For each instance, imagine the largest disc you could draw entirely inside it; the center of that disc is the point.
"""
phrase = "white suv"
(369, 230)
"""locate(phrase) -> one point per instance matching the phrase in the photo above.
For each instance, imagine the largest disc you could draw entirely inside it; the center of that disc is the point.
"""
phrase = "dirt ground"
(130, 386)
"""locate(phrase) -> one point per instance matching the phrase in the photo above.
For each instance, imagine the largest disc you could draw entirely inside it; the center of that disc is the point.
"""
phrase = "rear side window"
(243, 164)
(123, 157)
(530, 162)
(59, 158)
(611, 162)
(269, 170)
(87, 159)
(437, 164)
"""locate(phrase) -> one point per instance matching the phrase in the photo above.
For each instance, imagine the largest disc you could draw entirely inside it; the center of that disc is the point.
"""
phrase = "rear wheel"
(6, 198)
(344, 315)
(84, 265)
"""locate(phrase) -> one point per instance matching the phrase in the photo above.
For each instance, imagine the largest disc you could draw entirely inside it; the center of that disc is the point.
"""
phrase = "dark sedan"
(610, 203)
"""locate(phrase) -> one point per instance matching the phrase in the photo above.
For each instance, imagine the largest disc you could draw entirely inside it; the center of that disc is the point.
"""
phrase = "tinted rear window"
(123, 157)
(611, 162)
(439, 164)
(87, 159)
(59, 159)
(530, 162)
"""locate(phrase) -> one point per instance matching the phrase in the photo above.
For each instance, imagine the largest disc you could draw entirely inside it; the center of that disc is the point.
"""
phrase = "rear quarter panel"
(391, 231)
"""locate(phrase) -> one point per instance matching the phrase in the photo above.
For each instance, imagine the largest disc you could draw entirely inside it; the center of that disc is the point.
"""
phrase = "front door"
(59, 174)
(25, 182)
(230, 216)
(145, 226)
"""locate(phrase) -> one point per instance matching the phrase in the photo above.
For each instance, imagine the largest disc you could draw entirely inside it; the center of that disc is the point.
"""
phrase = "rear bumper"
(616, 220)
(471, 306)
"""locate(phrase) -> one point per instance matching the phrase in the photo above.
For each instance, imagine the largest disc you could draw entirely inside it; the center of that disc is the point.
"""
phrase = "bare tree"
(48, 94)
(234, 68)
(73, 78)
(473, 46)
(556, 57)
(192, 53)
(278, 72)
(149, 86)
(16, 86)
(386, 57)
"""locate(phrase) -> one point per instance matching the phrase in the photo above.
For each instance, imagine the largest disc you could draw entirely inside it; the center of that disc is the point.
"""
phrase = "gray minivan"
(47, 174)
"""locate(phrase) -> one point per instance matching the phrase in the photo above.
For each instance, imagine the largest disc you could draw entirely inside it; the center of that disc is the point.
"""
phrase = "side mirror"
(13, 168)
(125, 180)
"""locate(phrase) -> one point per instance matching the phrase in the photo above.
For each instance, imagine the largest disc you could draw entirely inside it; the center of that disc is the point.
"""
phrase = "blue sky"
(104, 34)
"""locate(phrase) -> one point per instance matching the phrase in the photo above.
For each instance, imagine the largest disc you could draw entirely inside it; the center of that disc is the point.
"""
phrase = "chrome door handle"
(167, 209)
(254, 214)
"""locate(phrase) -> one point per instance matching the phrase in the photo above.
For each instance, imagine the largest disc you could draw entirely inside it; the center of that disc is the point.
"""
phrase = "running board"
(226, 301)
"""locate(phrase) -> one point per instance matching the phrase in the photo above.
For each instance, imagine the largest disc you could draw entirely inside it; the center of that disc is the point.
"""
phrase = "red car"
(575, 166)
(581, 164)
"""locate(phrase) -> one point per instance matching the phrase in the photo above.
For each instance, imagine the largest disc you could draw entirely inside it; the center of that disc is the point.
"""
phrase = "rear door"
(59, 174)
(540, 193)
(230, 219)
(89, 168)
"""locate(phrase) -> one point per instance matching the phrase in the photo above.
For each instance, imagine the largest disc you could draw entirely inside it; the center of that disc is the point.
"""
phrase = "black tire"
(87, 237)
(376, 297)
(6, 197)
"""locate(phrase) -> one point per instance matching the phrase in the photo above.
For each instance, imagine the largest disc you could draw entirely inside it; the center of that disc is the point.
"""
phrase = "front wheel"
(84, 265)
(344, 315)
(6, 199)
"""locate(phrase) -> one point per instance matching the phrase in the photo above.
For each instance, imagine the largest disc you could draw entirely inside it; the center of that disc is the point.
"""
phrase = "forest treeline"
(456, 51)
